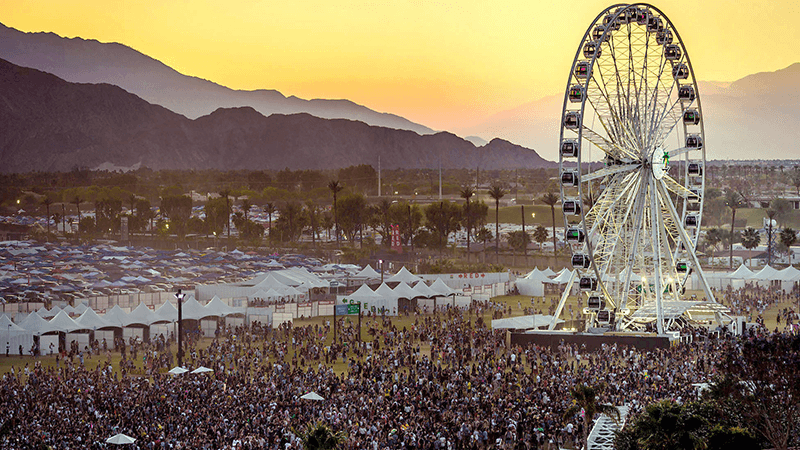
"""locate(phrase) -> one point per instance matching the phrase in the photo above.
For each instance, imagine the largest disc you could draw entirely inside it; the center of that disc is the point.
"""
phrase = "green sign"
(353, 309)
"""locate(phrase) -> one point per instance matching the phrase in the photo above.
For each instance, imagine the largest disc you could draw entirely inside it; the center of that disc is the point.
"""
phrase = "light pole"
(380, 263)
(180, 296)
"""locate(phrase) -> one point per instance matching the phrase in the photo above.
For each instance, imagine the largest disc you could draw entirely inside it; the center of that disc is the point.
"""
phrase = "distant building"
(13, 232)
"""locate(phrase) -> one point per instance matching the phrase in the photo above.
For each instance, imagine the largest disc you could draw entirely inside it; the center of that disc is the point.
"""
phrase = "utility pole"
(379, 175)
(179, 296)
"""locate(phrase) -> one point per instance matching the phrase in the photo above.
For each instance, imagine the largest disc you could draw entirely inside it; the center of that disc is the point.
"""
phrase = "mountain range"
(747, 119)
(89, 61)
(744, 119)
(50, 124)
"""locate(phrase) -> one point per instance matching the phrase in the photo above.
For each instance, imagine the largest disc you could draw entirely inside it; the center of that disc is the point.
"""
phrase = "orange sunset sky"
(442, 64)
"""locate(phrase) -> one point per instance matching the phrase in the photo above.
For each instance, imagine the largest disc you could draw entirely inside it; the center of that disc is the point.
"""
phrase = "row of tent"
(116, 317)
(532, 284)
(387, 300)
(786, 277)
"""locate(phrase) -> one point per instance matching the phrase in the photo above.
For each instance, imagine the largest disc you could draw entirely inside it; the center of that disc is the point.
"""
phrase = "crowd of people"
(443, 381)
(752, 301)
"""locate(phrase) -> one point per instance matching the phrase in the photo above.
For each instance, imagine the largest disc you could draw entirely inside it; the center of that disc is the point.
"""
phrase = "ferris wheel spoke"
(676, 187)
(602, 173)
(610, 148)
(680, 151)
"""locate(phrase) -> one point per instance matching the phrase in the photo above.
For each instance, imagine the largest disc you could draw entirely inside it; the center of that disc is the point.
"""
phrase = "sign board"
(353, 309)
(334, 284)
(341, 310)
(397, 244)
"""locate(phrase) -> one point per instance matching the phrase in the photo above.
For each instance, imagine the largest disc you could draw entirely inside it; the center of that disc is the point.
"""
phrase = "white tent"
(35, 324)
(788, 277)
(388, 299)
(441, 288)
(425, 291)
(368, 298)
(548, 272)
(765, 276)
(62, 322)
(45, 314)
(219, 309)
(193, 310)
(142, 315)
(523, 322)
(89, 320)
(562, 278)
(742, 272)
(116, 316)
(403, 290)
(403, 275)
(270, 282)
(14, 335)
(532, 284)
(166, 313)
(312, 396)
(368, 273)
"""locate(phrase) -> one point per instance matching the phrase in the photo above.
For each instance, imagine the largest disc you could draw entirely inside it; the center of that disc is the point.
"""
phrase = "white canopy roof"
(365, 294)
(167, 313)
(217, 308)
(116, 316)
(742, 272)
(64, 323)
(562, 278)
(367, 272)
(767, 273)
(386, 292)
(35, 324)
(91, 321)
(425, 291)
(523, 322)
(193, 310)
(5, 321)
(441, 288)
(548, 272)
(789, 274)
(403, 290)
(44, 313)
(142, 315)
(536, 275)
(403, 275)
(270, 282)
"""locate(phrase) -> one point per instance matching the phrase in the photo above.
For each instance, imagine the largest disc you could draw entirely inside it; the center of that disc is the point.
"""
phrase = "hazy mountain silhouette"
(89, 61)
(49, 124)
(750, 118)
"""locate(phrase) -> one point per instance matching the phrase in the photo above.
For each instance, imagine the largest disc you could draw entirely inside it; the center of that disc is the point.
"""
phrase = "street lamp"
(180, 296)
(380, 262)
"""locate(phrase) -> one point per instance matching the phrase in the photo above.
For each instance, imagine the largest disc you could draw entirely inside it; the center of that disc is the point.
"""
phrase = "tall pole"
(359, 322)
(440, 175)
(523, 228)
(179, 296)
(379, 175)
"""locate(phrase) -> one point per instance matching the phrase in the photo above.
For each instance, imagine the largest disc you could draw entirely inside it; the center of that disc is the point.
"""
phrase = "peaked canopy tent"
(166, 313)
(532, 284)
(141, 316)
(389, 299)
(35, 324)
(89, 320)
(367, 273)
(766, 276)
(216, 308)
(13, 335)
(369, 299)
(63, 323)
(788, 277)
(116, 316)
(403, 276)
(441, 288)
(406, 297)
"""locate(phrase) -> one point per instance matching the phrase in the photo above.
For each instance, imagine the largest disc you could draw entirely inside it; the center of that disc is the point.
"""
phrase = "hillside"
(51, 125)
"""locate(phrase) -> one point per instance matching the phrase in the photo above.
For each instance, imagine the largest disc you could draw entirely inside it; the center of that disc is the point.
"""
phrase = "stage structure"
(632, 168)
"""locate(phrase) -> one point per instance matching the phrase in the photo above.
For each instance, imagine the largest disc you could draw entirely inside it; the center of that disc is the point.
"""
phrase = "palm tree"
(467, 193)
(750, 238)
(496, 192)
(551, 199)
(46, 201)
(318, 436)
(335, 188)
(77, 200)
(246, 205)
(734, 201)
(269, 208)
(225, 193)
(586, 399)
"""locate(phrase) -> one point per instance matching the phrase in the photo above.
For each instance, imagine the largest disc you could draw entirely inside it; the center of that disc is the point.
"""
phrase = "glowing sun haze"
(442, 64)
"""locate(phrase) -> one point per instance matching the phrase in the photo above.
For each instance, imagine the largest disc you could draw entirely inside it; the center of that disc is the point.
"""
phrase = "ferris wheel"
(632, 160)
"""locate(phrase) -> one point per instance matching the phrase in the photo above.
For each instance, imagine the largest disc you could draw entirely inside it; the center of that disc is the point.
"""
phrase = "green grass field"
(515, 302)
